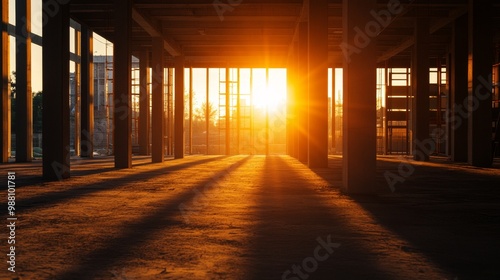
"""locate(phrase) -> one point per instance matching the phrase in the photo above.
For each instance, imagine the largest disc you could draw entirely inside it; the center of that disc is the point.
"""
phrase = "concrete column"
(207, 111)
(359, 137)
(318, 84)
(87, 91)
(77, 96)
(420, 89)
(56, 156)
(480, 86)
(252, 116)
(5, 97)
(179, 108)
(170, 114)
(291, 122)
(190, 133)
(228, 111)
(458, 90)
(24, 96)
(296, 100)
(302, 93)
(238, 112)
(144, 103)
(122, 114)
(158, 114)
(267, 114)
(333, 109)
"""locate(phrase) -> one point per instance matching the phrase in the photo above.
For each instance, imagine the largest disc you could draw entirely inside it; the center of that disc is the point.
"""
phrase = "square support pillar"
(122, 113)
(169, 125)
(302, 93)
(144, 103)
(228, 112)
(179, 108)
(267, 115)
(296, 100)
(190, 92)
(24, 96)
(420, 89)
(158, 114)
(459, 90)
(318, 84)
(480, 85)
(207, 111)
(359, 137)
(291, 122)
(56, 148)
(77, 96)
(5, 97)
(87, 91)
(334, 104)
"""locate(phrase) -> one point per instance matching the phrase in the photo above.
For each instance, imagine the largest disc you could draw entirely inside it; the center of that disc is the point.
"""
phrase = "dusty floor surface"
(254, 217)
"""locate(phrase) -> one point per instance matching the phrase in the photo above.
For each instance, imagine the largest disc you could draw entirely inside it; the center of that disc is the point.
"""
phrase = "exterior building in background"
(103, 109)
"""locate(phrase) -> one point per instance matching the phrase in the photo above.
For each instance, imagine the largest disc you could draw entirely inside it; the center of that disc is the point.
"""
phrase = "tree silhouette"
(37, 106)
(37, 112)
(13, 100)
(200, 113)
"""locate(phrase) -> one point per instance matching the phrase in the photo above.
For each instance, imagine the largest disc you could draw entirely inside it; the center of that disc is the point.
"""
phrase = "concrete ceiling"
(252, 33)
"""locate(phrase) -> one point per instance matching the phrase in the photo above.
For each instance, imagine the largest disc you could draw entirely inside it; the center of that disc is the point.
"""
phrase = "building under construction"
(381, 160)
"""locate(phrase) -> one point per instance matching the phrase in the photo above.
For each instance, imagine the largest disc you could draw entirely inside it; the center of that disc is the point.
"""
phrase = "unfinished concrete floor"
(254, 217)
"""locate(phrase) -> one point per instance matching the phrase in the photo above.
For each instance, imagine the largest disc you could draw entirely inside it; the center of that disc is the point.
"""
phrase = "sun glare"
(273, 95)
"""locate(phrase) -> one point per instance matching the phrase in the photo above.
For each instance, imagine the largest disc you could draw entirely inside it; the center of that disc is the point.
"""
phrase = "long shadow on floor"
(31, 173)
(451, 215)
(53, 198)
(294, 219)
(135, 233)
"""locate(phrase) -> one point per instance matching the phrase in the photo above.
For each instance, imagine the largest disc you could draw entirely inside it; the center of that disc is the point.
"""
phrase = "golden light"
(272, 96)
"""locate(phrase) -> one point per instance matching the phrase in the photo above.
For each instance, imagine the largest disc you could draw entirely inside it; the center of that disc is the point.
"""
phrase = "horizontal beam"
(445, 21)
(228, 18)
(207, 3)
(35, 39)
(396, 50)
(433, 29)
(154, 30)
